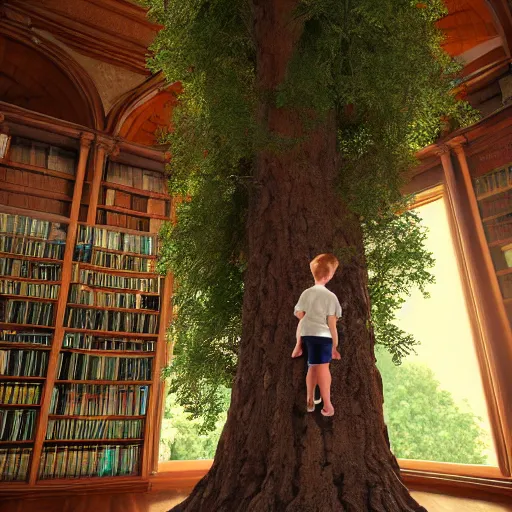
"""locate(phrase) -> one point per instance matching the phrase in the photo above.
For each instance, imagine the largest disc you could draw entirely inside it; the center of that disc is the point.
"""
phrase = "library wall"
(490, 166)
(83, 311)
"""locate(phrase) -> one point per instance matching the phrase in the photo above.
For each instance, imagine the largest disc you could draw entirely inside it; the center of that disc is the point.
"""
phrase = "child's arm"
(297, 351)
(331, 322)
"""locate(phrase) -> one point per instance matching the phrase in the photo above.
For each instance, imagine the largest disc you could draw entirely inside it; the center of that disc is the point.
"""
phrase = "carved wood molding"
(112, 31)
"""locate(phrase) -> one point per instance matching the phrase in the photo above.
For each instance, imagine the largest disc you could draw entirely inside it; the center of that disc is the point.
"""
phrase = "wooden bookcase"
(83, 312)
(493, 191)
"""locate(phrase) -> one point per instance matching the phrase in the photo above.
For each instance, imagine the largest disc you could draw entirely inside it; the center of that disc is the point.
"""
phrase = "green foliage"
(182, 437)
(424, 422)
(379, 66)
(397, 262)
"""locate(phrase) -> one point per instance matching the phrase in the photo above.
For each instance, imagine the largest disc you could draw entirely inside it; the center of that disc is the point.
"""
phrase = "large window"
(434, 402)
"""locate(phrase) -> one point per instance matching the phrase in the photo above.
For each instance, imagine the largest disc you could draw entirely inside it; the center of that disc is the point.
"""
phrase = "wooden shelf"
(124, 253)
(95, 417)
(116, 290)
(111, 308)
(132, 213)
(99, 352)
(36, 192)
(29, 258)
(28, 280)
(26, 297)
(504, 272)
(28, 237)
(94, 441)
(40, 170)
(497, 243)
(52, 217)
(132, 273)
(496, 216)
(117, 334)
(493, 193)
(136, 191)
(9, 326)
(16, 442)
(106, 382)
(31, 346)
(19, 406)
(21, 379)
(120, 229)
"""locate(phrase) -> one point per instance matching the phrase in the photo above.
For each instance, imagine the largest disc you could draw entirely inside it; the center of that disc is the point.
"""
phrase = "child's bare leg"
(311, 382)
(324, 383)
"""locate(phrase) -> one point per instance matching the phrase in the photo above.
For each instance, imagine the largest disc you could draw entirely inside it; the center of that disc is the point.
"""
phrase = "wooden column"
(498, 343)
(487, 305)
(154, 413)
(67, 267)
(104, 148)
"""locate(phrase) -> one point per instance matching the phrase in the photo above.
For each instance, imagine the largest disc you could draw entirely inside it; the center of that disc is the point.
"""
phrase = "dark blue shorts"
(319, 349)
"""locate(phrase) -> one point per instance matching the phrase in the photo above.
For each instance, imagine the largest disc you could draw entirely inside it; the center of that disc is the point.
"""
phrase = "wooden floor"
(163, 501)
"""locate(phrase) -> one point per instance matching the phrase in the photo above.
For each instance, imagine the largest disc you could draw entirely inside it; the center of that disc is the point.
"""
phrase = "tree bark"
(272, 455)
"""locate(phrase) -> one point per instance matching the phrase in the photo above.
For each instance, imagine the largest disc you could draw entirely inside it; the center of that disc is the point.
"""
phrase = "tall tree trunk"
(272, 455)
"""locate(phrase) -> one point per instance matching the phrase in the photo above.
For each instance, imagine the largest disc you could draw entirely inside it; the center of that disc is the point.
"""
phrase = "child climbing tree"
(297, 121)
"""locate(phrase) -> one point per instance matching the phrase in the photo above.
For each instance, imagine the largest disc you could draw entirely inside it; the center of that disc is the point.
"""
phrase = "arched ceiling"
(468, 24)
(477, 32)
(149, 115)
(33, 81)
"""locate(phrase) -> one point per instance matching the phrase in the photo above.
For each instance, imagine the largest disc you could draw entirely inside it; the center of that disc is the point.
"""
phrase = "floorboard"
(163, 501)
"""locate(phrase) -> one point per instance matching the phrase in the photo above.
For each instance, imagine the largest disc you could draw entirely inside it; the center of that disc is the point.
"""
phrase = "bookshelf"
(494, 196)
(83, 313)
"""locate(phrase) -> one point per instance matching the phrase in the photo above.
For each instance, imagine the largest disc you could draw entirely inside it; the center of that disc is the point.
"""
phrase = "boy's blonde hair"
(323, 264)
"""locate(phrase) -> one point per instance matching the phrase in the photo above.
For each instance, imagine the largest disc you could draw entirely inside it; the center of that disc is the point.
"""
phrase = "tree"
(297, 121)
(182, 438)
(424, 421)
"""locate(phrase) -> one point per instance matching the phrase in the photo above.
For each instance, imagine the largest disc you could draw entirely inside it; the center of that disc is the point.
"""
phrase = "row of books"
(493, 182)
(28, 226)
(497, 205)
(78, 366)
(17, 424)
(34, 202)
(44, 291)
(122, 261)
(499, 230)
(123, 220)
(136, 177)
(80, 294)
(105, 280)
(23, 363)
(14, 464)
(36, 153)
(23, 393)
(78, 461)
(34, 248)
(99, 400)
(94, 429)
(506, 285)
(107, 239)
(29, 337)
(25, 312)
(101, 320)
(87, 254)
(30, 269)
(122, 199)
(83, 341)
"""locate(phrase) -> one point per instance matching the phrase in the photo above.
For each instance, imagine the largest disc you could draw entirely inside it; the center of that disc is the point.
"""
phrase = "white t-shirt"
(318, 303)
